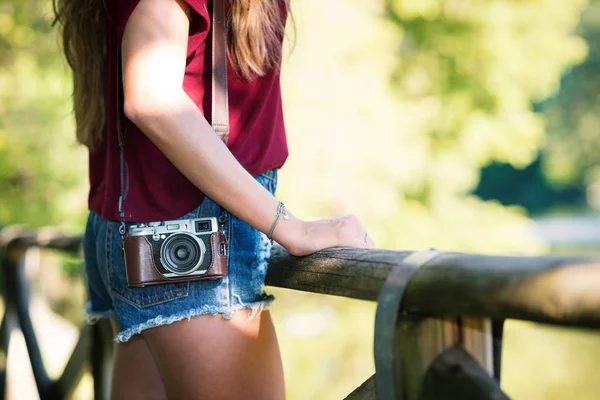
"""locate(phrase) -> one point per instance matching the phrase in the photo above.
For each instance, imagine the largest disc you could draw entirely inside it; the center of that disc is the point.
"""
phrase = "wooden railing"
(94, 345)
(438, 322)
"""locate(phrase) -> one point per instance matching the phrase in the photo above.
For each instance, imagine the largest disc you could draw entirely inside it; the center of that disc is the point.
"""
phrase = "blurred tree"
(41, 170)
(528, 187)
(571, 156)
(405, 154)
(568, 164)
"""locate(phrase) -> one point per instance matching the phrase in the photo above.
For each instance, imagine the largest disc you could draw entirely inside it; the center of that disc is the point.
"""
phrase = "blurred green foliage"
(42, 173)
(392, 108)
(530, 188)
(571, 156)
(399, 137)
(566, 175)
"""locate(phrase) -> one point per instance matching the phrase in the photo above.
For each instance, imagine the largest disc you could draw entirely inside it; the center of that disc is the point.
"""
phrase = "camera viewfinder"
(203, 226)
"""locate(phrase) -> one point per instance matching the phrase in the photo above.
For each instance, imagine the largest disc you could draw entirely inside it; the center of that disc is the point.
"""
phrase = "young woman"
(201, 339)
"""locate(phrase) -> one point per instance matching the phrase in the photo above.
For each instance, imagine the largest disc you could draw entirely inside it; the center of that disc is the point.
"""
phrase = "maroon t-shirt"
(157, 190)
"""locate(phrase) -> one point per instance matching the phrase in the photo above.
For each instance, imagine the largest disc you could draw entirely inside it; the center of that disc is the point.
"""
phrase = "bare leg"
(208, 357)
(135, 375)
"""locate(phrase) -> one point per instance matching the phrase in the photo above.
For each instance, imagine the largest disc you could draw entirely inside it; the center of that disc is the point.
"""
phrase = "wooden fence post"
(430, 351)
(476, 335)
(407, 346)
(454, 374)
(419, 341)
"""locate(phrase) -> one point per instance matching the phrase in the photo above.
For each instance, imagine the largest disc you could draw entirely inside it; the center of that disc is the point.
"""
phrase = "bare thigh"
(135, 375)
(209, 357)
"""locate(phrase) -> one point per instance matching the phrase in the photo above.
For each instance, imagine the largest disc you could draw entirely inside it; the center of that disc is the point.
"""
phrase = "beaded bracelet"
(280, 211)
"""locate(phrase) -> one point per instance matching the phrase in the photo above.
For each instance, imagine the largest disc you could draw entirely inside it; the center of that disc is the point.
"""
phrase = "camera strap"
(219, 101)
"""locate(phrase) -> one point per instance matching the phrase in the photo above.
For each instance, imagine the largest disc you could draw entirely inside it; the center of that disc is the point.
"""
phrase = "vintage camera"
(158, 252)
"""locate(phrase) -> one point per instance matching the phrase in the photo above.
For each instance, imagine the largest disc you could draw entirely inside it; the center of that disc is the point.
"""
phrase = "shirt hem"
(111, 215)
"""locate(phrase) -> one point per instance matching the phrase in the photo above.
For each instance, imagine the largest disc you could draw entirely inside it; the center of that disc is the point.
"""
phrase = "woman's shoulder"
(122, 9)
(119, 11)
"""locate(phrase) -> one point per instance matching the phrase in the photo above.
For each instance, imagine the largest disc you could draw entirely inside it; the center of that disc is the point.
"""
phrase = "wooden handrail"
(431, 294)
(559, 290)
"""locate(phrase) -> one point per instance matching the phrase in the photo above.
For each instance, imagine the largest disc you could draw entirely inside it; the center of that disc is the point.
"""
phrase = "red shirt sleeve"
(199, 24)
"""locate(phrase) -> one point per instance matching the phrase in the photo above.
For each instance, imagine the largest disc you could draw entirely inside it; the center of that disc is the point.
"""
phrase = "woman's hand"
(302, 238)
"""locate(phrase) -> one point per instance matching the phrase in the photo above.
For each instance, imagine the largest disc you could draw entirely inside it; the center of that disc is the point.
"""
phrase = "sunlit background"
(461, 125)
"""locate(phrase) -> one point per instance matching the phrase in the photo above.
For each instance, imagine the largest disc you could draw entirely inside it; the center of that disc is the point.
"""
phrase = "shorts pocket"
(139, 297)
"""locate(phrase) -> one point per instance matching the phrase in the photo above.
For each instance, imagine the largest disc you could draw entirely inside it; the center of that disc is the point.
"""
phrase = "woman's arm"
(154, 54)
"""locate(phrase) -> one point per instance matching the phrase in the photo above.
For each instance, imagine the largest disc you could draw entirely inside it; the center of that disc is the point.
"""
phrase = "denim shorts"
(137, 309)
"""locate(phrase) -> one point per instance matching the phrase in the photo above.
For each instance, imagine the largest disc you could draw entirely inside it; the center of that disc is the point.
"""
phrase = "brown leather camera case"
(141, 268)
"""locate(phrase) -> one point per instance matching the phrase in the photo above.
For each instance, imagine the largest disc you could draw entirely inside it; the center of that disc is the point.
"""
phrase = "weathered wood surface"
(557, 289)
(359, 274)
(419, 341)
(16, 237)
(476, 338)
(385, 344)
(454, 374)
(366, 391)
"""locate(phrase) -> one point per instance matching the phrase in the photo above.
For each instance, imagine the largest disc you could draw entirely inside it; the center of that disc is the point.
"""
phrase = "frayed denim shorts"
(137, 309)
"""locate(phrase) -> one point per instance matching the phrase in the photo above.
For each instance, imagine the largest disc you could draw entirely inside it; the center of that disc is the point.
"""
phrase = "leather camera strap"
(219, 103)
(220, 99)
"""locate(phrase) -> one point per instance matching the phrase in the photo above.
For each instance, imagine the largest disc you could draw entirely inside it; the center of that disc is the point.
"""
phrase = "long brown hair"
(255, 30)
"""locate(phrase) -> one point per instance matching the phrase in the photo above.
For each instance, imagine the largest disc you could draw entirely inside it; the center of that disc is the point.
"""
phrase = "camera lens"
(182, 253)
